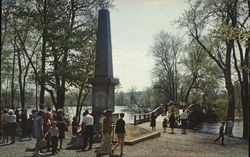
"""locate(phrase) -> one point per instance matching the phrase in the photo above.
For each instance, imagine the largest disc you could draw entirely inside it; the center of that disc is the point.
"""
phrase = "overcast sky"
(134, 23)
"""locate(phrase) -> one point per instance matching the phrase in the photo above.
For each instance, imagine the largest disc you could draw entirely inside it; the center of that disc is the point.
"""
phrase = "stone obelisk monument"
(103, 94)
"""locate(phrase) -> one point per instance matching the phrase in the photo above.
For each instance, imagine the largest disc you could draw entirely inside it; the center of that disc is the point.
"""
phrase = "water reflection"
(214, 128)
(118, 109)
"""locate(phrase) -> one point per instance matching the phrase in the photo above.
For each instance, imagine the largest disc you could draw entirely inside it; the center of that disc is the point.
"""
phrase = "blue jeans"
(38, 139)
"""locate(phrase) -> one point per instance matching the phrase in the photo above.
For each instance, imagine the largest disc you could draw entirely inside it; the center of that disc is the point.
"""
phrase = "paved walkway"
(192, 144)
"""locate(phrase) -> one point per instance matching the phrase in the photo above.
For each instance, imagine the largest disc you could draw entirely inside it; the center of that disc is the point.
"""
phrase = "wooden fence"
(146, 117)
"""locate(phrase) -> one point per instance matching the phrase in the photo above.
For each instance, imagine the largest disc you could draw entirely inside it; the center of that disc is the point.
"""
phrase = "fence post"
(140, 118)
(134, 119)
(144, 118)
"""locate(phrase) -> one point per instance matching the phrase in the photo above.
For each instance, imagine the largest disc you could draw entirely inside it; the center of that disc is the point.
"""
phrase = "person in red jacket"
(74, 125)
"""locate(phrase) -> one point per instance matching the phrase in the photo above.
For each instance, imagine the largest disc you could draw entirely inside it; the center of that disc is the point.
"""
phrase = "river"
(214, 128)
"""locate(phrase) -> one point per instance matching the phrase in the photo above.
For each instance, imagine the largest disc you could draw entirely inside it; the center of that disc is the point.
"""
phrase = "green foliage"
(68, 29)
(220, 108)
(195, 96)
(227, 32)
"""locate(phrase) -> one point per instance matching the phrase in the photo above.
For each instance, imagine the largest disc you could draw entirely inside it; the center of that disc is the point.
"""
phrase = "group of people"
(49, 128)
(171, 119)
(106, 128)
(46, 126)
(172, 116)
(8, 121)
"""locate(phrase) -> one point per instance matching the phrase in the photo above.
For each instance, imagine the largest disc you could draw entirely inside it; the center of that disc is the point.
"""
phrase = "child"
(54, 132)
(74, 125)
(221, 134)
(164, 125)
(29, 124)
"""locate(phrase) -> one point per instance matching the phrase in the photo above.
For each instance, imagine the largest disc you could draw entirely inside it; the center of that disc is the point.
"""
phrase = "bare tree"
(165, 50)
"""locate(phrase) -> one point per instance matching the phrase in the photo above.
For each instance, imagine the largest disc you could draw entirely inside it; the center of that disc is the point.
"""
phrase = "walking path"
(192, 144)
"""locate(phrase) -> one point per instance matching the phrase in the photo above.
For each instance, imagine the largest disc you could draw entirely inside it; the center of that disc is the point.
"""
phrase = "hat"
(11, 111)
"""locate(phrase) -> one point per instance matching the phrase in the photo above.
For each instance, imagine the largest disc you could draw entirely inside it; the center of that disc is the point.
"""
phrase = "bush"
(210, 116)
(220, 109)
(196, 116)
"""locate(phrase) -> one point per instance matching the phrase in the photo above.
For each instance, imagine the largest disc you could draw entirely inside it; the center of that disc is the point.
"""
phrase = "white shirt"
(88, 120)
(12, 118)
(184, 115)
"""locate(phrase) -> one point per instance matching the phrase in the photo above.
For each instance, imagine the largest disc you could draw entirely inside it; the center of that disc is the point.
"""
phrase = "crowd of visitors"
(46, 126)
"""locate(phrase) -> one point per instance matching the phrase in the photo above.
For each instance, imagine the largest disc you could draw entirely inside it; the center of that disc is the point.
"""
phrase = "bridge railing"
(146, 117)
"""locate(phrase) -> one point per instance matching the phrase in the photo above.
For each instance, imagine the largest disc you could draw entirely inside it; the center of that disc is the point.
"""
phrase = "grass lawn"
(132, 132)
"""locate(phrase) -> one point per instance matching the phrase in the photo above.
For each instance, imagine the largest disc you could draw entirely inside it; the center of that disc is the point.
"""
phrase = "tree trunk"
(1, 42)
(82, 102)
(36, 84)
(60, 97)
(20, 80)
(231, 98)
(245, 108)
(245, 93)
(228, 81)
(13, 75)
(52, 98)
(78, 104)
(43, 59)
(189, 88)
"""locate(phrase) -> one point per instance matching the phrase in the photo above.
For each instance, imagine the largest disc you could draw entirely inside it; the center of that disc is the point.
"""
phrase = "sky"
(134, 23)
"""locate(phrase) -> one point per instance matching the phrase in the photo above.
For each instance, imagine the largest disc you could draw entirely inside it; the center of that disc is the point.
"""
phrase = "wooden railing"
(146, 117)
